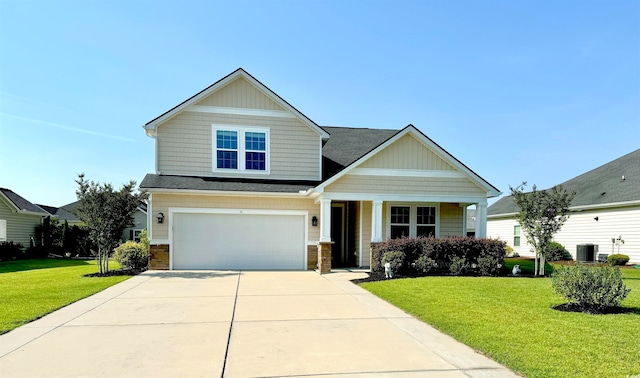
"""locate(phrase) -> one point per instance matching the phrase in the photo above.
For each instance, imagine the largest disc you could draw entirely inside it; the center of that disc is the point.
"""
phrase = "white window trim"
(241, 130)
(3, 230)
(413, 216)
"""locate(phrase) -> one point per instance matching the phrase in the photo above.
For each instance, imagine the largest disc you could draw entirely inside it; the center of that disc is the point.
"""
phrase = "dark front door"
(338, 235)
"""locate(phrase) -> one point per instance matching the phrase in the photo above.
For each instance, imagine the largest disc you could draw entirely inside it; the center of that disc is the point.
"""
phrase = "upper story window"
(412, 221)
(240, 149)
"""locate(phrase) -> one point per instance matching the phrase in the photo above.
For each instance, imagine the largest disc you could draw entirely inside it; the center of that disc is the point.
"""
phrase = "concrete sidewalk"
(236, 324)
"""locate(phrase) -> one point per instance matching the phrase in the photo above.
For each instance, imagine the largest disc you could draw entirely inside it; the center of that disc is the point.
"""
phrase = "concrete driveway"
(236, 324)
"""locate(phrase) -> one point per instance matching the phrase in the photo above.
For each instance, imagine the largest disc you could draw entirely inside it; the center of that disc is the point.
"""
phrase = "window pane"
(255, 141)
(399, 231)
(255, 161)
(516, 241)
(400, 214)
(428, 231)
(227, 139)
(426, 215)
(227, 159)
(516, 230)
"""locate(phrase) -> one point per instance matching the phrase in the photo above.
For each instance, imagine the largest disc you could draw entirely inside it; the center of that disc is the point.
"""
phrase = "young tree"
(542, 214)
(106, 212)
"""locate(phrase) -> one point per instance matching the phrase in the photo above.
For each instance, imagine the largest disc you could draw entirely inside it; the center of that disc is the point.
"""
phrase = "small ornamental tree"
(106, 212)
(542, 214)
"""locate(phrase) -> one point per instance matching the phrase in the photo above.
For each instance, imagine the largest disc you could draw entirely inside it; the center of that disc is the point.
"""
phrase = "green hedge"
(618, 259)
(457, 256)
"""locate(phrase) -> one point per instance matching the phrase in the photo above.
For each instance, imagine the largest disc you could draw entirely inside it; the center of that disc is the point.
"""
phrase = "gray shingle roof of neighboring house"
(62, 213)
(224, 184)
(20, 203)
(600, 186)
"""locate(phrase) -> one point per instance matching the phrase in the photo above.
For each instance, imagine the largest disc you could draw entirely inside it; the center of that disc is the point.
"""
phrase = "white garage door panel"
(238, 241)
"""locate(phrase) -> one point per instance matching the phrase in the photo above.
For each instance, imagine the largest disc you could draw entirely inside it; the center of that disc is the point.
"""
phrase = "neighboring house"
(471, 222)
(18, 218)
(606, 207)
(67, 213)
(246, 181)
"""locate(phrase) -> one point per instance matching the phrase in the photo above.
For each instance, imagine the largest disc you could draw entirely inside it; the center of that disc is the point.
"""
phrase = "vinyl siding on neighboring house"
(582, 228)
(407, 153)
(162, 202)
(404, 185)
(20, 227)
(139, 223)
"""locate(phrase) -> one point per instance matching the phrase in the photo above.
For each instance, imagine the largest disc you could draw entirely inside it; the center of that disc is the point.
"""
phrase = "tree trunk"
(535, 268)
(542, 265)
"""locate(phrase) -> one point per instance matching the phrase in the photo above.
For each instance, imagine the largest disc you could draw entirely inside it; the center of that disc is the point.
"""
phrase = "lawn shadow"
(33, 264)
(572, 307)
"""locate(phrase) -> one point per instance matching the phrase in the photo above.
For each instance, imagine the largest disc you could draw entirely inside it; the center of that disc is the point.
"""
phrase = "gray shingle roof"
(21, 203)
(347, 144)
(153, 181)
(600, 186)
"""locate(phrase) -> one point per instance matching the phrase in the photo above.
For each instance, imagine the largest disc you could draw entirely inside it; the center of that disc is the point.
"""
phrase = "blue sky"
(536, 91)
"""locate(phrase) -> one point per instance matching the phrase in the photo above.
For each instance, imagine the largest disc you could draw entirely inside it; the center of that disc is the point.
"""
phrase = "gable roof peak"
(150, 127)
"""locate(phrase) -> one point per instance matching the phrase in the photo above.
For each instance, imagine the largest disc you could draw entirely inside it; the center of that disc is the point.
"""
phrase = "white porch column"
(481, 220)
(325, 220)
(376, 221)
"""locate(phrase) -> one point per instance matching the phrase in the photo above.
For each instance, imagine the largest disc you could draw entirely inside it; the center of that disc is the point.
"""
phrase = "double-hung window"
(3, 230)
(516, 236)
(412, 221)
(240, 149)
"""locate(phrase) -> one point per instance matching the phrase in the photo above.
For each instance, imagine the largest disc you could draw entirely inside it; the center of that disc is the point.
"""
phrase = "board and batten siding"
(185, 146)
(20, 227)
(582, 228)
(162, 203)
(404, 185)
(407, 153)
(240, 94)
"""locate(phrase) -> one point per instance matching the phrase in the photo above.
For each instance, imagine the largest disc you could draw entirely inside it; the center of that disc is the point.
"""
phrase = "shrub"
(456, 255)
(397, 259)
(10, 250)
(556, 252)
(424, 264)
(590, 289)
(618, 259)
(132, 255)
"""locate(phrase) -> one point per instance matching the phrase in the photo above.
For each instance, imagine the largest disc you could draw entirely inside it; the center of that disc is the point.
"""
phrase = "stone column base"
(324, 257)
(159, 257)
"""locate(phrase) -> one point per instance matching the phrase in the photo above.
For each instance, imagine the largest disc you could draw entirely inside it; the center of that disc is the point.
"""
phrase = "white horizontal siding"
(582, 228)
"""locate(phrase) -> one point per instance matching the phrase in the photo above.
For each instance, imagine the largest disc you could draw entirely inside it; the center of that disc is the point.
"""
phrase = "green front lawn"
(30, 289)
(511, 320)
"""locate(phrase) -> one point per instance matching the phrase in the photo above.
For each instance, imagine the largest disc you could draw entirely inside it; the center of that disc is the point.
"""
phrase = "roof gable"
(444, 159)
(232, 95)
(408, 153)
(20, 204)
(598, 187)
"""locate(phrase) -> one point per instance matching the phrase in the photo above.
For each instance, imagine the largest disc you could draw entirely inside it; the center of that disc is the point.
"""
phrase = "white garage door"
(238, 241)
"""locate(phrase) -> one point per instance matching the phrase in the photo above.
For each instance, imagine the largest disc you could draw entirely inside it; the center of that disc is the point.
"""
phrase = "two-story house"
(246, 181)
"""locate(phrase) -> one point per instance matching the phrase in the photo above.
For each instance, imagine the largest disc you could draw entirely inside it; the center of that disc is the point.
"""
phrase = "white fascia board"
(225, 193)
(399, 198)
(239, 111)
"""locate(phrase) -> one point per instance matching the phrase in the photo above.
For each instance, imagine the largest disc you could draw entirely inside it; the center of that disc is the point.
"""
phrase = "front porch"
(348, 227)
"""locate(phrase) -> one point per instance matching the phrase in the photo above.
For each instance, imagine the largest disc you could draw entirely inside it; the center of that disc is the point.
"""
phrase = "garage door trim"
(186, 210)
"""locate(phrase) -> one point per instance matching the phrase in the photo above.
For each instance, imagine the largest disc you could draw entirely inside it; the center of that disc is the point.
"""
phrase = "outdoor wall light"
(160, 217)
(314, 221)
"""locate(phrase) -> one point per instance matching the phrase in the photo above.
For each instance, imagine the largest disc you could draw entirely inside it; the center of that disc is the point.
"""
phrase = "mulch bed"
(116, 272)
